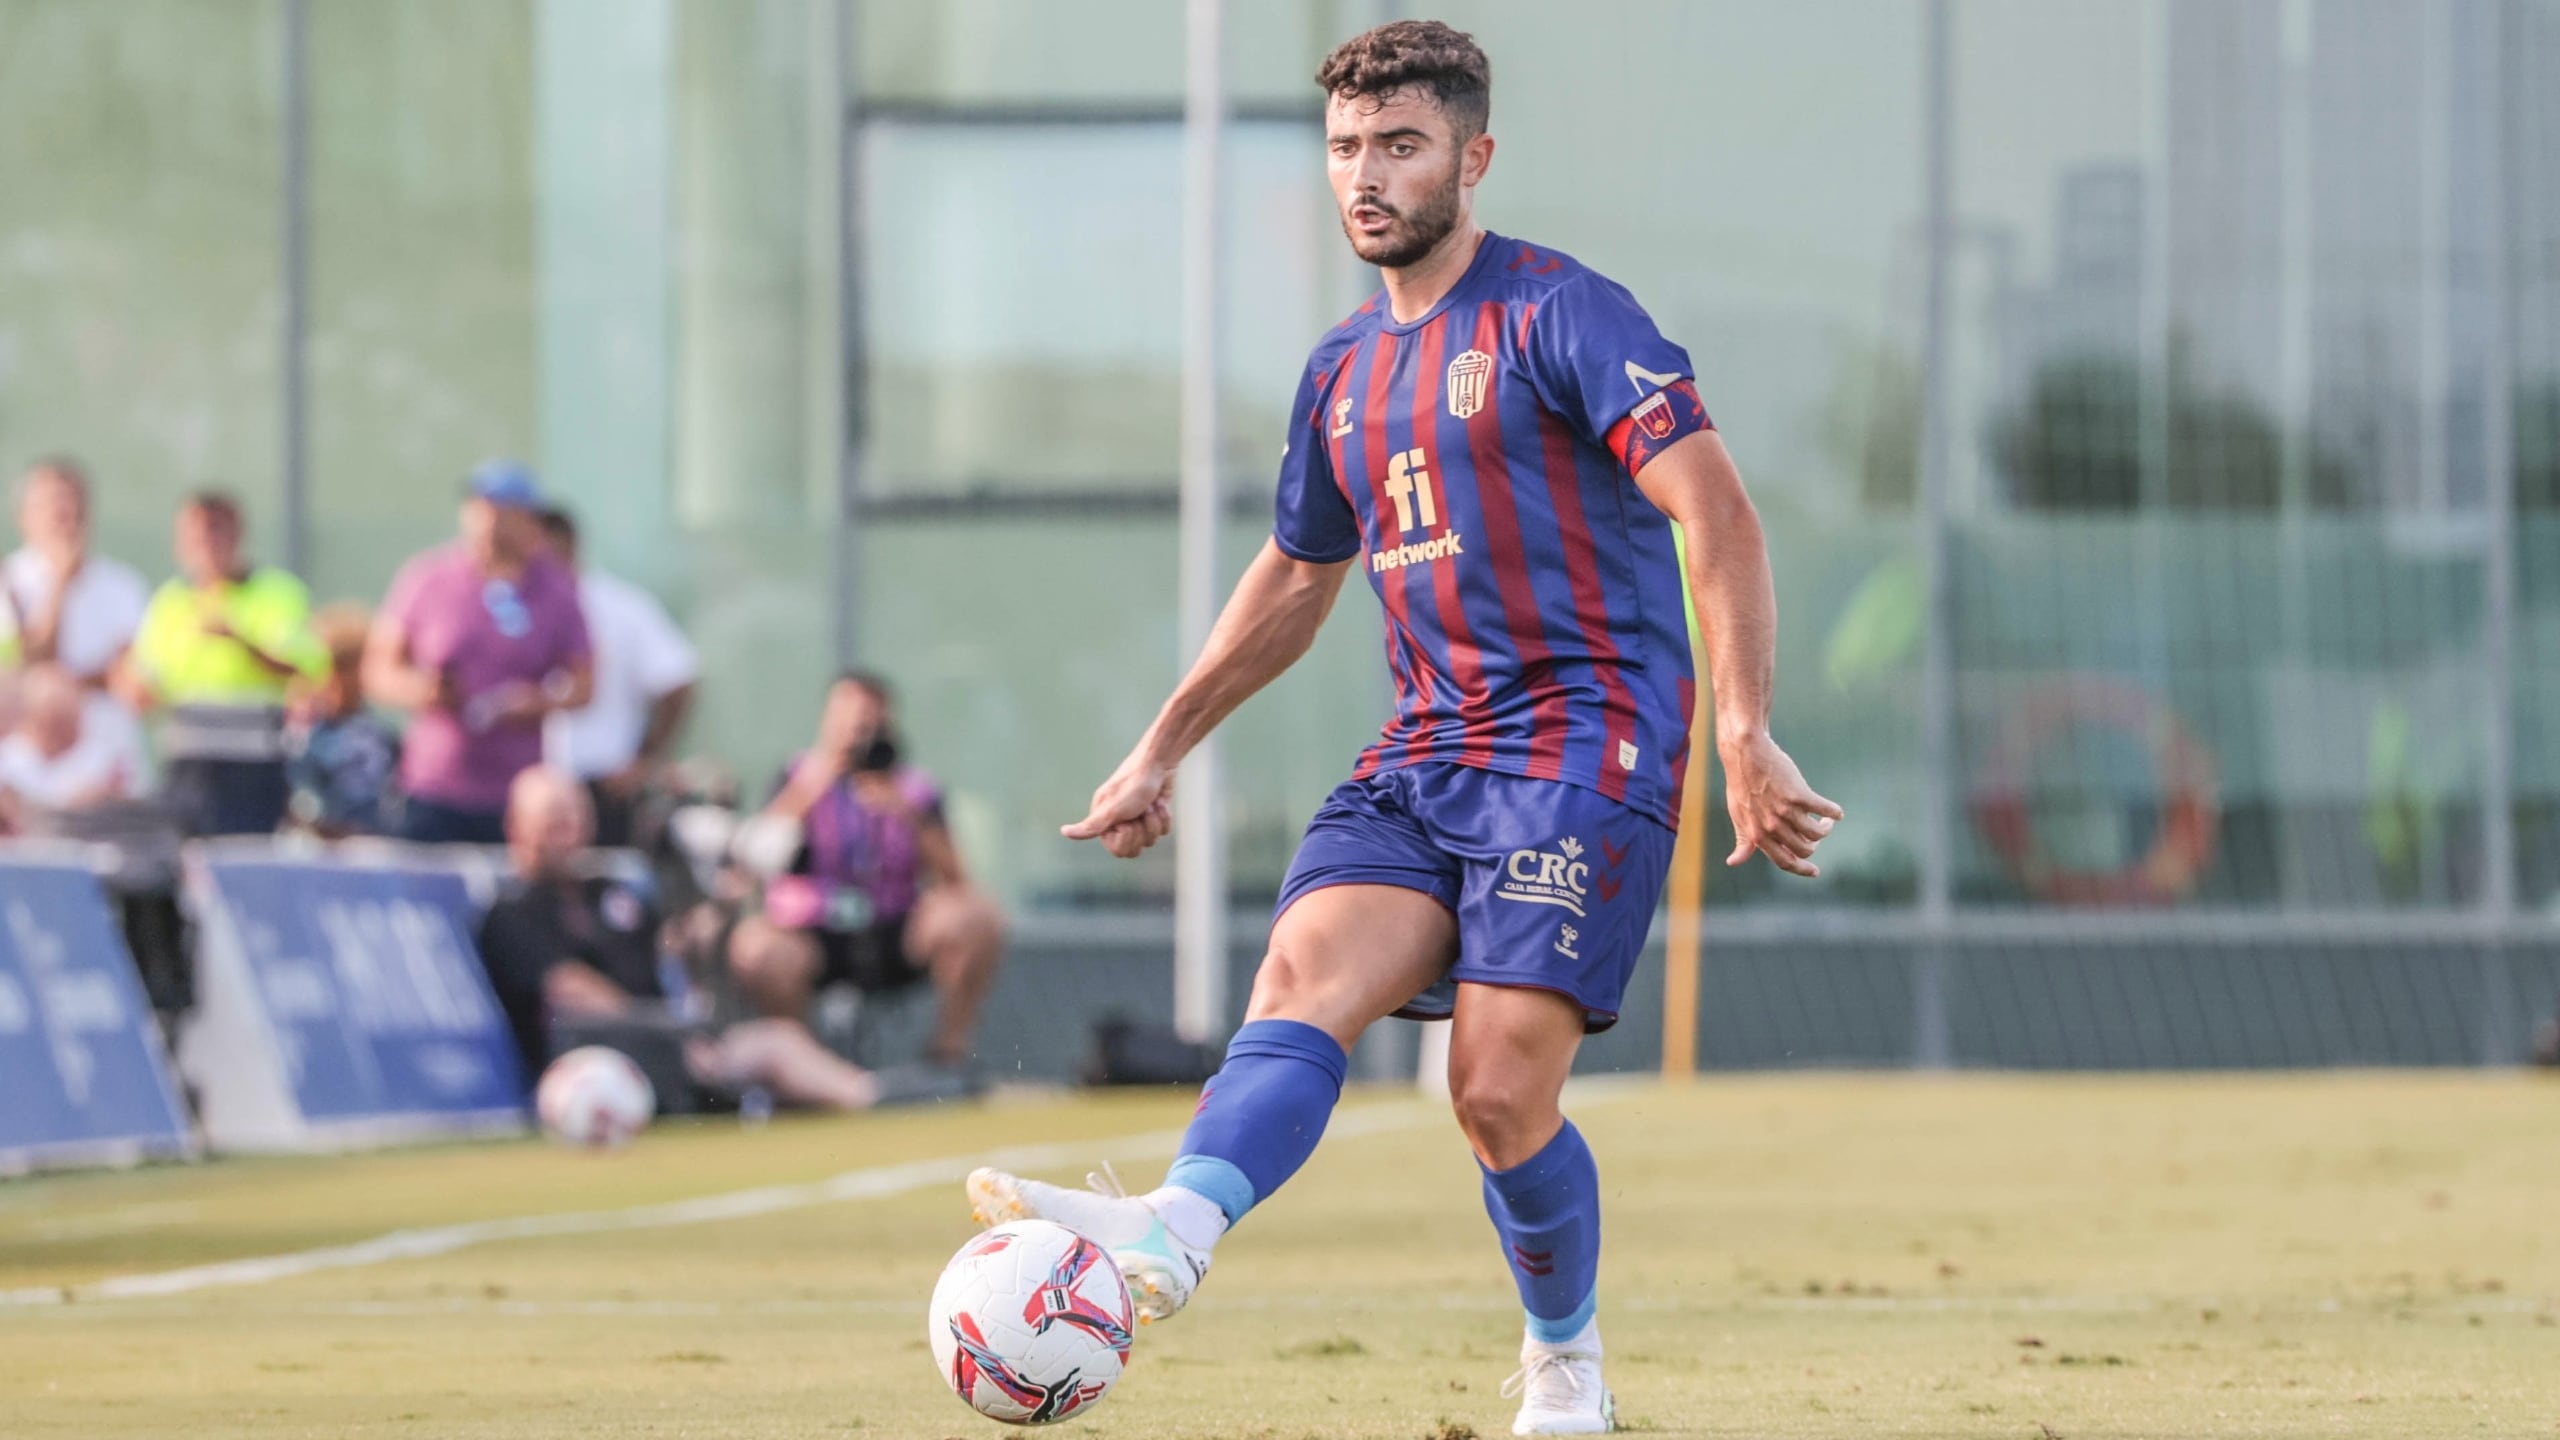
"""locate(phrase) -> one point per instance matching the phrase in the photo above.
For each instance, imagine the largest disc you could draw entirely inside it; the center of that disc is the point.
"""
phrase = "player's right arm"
(1269, 622)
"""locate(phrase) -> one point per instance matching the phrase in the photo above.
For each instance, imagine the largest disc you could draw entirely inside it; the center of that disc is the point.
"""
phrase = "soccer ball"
(1030, 1323)
(594, 1097)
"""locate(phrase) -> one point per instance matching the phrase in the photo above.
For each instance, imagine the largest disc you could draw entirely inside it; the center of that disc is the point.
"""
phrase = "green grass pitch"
(2324, 1255)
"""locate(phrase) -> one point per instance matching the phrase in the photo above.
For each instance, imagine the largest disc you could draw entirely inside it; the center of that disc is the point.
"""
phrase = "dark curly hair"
(1420, 55)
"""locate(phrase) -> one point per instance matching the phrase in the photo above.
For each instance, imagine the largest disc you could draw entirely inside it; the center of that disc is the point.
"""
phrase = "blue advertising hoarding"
(82, 1076)
(344, 1002)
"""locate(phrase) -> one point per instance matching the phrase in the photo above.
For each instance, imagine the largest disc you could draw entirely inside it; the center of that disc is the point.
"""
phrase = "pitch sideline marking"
(871, 1183)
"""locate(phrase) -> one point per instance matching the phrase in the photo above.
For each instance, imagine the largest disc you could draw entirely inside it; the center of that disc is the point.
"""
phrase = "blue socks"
(1547, 1211)
(1261, 1114)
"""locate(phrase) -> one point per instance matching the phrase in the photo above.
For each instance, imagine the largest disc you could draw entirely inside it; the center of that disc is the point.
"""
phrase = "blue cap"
(506, 482)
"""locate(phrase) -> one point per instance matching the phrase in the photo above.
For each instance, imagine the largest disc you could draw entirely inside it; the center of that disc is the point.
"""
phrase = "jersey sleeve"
(1314, 522)
(1599, 362)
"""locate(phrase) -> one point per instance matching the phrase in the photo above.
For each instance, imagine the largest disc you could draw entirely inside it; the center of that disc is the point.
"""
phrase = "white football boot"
(1560, 1392)
(1162, 1270)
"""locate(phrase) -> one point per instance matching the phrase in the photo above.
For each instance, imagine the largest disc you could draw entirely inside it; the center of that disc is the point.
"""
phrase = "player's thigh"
(1367, 912)
(1343, 957)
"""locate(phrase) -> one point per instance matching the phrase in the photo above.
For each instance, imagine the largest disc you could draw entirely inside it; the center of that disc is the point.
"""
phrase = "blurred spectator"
(645, 672)
(72, 749)
(341, 757)
(481, 641)
(219, 646)
(573, 955)
(67, 606)
(877, 897)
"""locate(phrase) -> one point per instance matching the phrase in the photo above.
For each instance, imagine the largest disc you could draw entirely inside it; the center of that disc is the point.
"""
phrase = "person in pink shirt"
(480, 641)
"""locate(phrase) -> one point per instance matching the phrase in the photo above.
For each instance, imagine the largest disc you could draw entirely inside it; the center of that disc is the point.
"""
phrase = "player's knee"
(1504, 1118)
(1283, 986)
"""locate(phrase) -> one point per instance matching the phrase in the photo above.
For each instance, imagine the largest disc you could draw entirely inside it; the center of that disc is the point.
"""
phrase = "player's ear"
(1474, 158)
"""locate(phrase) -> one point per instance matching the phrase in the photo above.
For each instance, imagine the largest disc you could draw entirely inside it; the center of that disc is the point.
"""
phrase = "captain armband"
(1657, 424)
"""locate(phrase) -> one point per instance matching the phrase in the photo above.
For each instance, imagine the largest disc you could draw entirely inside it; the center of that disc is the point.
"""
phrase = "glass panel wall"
(1020, 272)
(422, 316)
(601, 236)
(2222, 422)
(141, 308)
(2238, 364)
(1787, 258)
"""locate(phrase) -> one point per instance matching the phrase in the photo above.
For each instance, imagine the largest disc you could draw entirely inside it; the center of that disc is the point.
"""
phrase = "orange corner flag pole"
(1685, 936)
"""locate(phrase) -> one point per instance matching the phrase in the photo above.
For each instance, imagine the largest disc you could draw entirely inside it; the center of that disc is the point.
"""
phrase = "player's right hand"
(1131, 811)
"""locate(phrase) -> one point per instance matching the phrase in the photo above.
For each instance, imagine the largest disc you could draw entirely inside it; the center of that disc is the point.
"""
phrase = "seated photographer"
(573, 955)
(877, 896)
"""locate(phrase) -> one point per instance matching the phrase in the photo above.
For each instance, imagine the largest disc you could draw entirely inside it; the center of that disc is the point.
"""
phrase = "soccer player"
(1503, 443)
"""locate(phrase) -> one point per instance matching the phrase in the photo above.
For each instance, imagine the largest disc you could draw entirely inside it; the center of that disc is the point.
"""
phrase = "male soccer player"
(1503, 442)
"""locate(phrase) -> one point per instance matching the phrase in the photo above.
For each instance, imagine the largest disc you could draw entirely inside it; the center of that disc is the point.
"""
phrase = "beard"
(1411, 234)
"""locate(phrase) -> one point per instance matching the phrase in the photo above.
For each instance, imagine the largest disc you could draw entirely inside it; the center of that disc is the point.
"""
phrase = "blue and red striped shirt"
(1481, 459)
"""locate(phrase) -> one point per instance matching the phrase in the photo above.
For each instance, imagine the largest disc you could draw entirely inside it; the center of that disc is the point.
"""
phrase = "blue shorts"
(1553, 885)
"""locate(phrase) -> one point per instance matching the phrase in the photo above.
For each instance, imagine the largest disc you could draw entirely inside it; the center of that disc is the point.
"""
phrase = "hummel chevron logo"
(1638, 376)
(1616, 855)
(1608, 886)
(1538, 1262)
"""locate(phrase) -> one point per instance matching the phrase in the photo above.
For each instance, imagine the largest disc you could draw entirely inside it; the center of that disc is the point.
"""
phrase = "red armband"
(1654, 426)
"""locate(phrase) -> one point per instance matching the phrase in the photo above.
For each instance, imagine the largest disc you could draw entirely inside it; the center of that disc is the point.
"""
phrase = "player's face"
(1402, 180)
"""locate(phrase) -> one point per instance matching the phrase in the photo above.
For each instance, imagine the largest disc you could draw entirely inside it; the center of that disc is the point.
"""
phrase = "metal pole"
(296, 279)
(1200, 846)
(854, 427)
(2293, 368)
(1684, 932)
(2498, 569)
(1932, 1046)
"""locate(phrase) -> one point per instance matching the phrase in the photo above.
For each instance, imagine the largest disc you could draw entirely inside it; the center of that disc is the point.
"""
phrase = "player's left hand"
(1774, 811)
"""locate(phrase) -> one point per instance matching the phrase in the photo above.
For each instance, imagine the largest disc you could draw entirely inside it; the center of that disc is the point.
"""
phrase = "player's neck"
(1413, 290)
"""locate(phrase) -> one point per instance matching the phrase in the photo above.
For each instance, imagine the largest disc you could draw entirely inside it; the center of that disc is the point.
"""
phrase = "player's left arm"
(1695, 482)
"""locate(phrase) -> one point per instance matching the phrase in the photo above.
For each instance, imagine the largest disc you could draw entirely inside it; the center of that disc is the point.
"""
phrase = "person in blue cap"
(480, 641)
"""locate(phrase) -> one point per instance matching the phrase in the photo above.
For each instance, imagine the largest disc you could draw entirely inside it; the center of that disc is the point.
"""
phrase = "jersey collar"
(1486, 244)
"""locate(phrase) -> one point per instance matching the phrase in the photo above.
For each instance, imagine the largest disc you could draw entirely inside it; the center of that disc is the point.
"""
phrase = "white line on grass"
(1329, 1303)
(873, 1183)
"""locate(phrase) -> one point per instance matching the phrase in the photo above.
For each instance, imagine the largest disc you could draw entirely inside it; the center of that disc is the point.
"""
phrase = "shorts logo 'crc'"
(1542, 877)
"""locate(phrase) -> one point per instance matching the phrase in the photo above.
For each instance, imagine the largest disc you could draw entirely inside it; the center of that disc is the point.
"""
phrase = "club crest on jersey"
(1558, 877)
(1341, 417)
(1468, 376)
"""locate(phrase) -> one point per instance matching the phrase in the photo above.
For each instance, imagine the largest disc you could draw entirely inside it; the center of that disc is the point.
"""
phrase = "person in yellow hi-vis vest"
(220, 646)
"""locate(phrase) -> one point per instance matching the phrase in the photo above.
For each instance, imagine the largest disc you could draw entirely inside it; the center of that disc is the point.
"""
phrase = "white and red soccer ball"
(1031, 1323)
(594, 1097)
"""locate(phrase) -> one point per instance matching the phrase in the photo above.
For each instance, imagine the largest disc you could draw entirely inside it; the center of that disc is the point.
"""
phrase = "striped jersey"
(1479, 462)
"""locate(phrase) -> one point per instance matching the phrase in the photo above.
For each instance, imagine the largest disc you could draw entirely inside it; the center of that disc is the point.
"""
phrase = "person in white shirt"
(65, 605)
(645, 674)
(72, 749)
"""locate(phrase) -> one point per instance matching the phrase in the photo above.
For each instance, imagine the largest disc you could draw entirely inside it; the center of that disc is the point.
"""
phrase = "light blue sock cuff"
(1216, 1179)
(1556, 1332)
